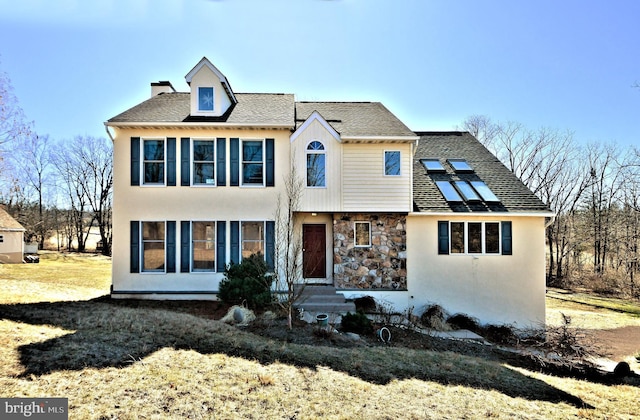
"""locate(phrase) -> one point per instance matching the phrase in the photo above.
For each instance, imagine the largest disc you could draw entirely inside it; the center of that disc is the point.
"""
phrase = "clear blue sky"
(567, 65)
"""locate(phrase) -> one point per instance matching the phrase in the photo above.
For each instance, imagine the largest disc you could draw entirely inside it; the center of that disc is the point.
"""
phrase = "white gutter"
(196, 125)
(485, 214)
(106, 128)
(381, 138)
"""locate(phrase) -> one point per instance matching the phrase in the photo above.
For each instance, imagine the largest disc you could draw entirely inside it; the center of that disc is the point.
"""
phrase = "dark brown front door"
(314, 256)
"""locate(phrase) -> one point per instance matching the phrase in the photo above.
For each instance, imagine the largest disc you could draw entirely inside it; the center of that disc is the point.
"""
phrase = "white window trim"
(264, 164)
(192, 162)
(215, 248)
(483, 236)
(143, 160)
(316, 152)
(141, 242)
(213, 105)
(384, 163)
(355, 237)
(264, 237)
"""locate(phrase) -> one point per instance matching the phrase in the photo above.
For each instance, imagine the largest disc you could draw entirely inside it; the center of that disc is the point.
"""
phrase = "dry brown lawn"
(59, 338)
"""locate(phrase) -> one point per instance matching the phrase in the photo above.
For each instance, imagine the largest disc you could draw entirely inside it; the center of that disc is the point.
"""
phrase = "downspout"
(550, 221)
(106, 128)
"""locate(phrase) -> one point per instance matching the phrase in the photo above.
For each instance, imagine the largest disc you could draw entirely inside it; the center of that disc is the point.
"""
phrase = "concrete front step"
(322, 299)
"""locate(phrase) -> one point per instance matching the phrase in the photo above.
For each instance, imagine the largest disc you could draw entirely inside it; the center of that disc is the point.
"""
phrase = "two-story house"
(409, 218)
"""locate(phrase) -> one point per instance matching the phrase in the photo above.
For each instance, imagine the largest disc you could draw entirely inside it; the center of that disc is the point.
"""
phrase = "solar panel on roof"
(468, 193)
(447, 190)
(484, 191)
(432, 165)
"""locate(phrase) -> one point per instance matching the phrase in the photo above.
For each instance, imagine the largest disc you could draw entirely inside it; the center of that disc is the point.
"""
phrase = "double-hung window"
(392, 162)
(203, 246)
(316, 159)
(253, 162)
(153, 166)
(153, 246)
(252, 238)
(204, 162)
(474, 238)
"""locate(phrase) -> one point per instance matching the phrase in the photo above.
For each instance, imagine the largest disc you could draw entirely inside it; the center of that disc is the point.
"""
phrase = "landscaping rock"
(239, 315)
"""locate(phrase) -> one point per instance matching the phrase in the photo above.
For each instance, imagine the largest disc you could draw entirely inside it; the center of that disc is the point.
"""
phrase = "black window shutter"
(234, 227)
(234, 162)
(171, 162)
(443, 237)
(270, 237)
(135, 247)
(221, 239)
(185, 161)
(221, 162)
(171, 247)
(270, 172)
(507, 243)
(135, 160)
(185, 246)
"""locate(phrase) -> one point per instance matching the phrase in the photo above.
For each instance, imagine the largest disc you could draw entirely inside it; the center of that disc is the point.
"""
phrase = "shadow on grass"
(107, 334)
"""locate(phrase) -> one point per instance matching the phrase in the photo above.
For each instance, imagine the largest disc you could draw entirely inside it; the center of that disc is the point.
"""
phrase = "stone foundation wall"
(383, 265)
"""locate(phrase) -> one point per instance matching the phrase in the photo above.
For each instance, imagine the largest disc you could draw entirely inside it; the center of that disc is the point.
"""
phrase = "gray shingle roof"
(513, 194)
(355, 119)
(252, 108)
(7, 222)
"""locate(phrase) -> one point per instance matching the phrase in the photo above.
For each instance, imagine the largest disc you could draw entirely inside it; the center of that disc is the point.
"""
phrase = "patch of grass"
(116, 361)
(58, 276)
(610, 303)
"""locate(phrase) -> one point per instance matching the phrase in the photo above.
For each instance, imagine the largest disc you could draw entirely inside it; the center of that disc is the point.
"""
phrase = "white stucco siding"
(185, 203)
(496, 289)
(206, 78)
(365, 185)
(11, 247)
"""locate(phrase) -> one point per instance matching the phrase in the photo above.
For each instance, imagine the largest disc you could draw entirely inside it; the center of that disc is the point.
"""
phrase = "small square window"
(392, 163)
(205, 99)
(362, 234)
(1, 239)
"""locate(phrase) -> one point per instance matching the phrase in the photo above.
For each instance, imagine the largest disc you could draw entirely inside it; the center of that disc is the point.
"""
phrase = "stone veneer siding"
(383, 265)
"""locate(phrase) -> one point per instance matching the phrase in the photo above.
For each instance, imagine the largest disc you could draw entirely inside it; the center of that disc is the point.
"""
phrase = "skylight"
(447, 190)
(484, 191)
(432, 165)
(468, 193)
(460, 165)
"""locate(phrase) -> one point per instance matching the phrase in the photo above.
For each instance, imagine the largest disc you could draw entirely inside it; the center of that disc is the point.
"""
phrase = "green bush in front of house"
(247, 283)
(357, 323)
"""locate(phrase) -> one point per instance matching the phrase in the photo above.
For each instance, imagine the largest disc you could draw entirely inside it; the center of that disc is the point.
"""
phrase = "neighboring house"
(197, 177)
(11, 239)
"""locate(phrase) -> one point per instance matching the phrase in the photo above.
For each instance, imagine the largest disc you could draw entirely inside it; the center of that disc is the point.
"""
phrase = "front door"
(314, 253)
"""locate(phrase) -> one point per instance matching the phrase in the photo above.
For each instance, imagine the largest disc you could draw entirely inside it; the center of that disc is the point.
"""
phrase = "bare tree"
(13, 123)
(96, 157)
(483, 129)
(72, 173)
(288, 248)
(33, 161)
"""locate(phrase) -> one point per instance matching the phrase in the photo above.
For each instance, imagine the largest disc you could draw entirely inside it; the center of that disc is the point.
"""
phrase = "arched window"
(316, 164)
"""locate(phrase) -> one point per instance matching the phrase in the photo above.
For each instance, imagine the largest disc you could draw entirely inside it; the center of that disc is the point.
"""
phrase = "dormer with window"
(211, 94)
